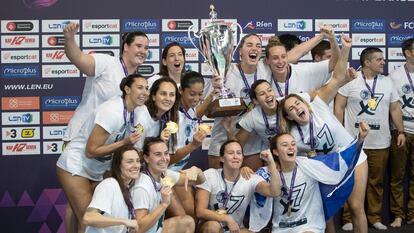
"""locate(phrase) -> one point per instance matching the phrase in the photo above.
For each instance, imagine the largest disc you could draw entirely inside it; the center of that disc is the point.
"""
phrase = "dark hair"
(252, 92)
(366, 54)
(128, 81)
(320, 49)
(243, 40)
(189, 78)
(128, 38)
(273, 42)
(285, 125)
(223, 147)
(164, 68)
(289, 41)
(117, 174)
(273, 144)
(148, 142)
(407, 45)
(172, 114)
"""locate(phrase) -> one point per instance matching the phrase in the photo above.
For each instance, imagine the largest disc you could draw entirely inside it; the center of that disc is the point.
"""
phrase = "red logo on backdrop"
(172, 25)
(52, 40)
(19, 147)
(17, 40)
(57, 55)
(11, 26)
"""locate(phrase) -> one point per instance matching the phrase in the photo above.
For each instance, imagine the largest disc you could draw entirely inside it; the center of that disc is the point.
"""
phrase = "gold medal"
(250, 106)
(139, 129)
(167, 181)
(172, 126)
(372, 103)
(221, 211)
(289, 210)
(311, 153)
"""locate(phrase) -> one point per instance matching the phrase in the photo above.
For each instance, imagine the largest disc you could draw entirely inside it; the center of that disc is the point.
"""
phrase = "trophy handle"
(241, 33)
(191, 29)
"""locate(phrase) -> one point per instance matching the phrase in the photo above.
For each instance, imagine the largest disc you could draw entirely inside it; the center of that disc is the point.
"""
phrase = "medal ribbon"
(227, 195)
(187, 115)
(371, 90)
(275, 130)
(292, 183)
(279, 90)
(409, 77)
(154, 183)
(123, 66)
(131, 117)
(246, 84)
(311, 138)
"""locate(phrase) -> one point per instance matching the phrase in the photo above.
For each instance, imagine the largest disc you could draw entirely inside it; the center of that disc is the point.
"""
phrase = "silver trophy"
(216, 41)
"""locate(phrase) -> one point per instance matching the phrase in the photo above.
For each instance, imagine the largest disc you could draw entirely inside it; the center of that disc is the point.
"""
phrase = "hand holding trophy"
(217, 47)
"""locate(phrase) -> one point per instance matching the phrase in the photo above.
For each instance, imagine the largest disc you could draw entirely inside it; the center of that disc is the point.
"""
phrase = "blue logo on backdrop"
(145, 25)
(20, 71)
(60, 102)
(397, 39)
(299, 25)
(181, 38)
(253, 25)
(401, 25)
(368, 25)
(61, 25)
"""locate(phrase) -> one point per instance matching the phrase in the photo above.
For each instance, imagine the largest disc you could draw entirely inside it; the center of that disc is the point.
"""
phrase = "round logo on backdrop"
(406, 89)
(245, 93)
(364, 94)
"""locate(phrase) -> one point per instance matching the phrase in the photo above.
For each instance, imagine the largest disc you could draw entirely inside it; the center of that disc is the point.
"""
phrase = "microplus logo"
(20, 71)
(368, 25)
(179, 38)
(60, 102)
(397, 39)
(145, 25)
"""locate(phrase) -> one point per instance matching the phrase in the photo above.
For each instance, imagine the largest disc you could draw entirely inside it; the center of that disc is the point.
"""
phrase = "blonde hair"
(273, 42)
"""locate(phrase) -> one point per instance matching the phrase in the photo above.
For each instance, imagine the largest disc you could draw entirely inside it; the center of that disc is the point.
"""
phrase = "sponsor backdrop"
(41, 89)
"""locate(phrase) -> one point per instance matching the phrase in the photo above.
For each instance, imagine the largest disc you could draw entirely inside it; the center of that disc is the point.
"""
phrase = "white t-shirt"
(236, 85)
(254, 121)
(98, 89)
(304, 77)
(357, 109)
(151, 126)
(108, 198)
(144, 196)
(405, 92)
(110, 117)
(240, 194)
(186, 130)
(329, 133)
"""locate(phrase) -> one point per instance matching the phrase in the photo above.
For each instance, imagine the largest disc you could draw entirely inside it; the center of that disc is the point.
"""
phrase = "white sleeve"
(102, 63)
(207, 185)
(173, 174)
(344, 90)
(106, 117)
(246, 122)
(394, 93)
(140, 198)
(255, 180)
(103, 195)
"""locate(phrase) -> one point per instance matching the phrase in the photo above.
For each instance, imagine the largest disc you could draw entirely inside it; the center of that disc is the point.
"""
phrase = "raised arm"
(273, 188)
(339, 109)
(340, 76)
(84, 62)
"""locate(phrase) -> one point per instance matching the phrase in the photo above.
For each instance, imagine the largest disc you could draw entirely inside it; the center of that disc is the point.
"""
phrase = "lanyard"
(409, 77)
(154, 183)
(123, 66)
(292, 184)
(187, 115)
(246, 84)
(311, 138)
(269, 130)
(227, 195)
(371, 90)
(131, 117)
(279, 90)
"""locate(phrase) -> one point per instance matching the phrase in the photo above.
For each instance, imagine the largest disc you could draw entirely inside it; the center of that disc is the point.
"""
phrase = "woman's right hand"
(233, 225)
(165, 134)
(133, 138)
(132, 224)
(70, 30)
(166, 192)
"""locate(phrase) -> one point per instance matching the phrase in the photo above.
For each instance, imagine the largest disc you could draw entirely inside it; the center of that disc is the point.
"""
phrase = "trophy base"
(225, 107)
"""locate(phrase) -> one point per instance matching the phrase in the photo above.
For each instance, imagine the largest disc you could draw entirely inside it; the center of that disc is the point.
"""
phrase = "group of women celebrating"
(123, 168)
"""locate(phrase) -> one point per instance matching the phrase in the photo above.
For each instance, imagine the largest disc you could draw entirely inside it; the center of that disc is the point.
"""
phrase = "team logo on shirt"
(406, 88)
(245, 93)
(365, 96)
(297, 197)
(324, 135)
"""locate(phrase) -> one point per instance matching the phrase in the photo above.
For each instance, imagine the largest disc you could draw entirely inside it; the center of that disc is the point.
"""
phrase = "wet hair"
(243, 40)
(189, 78)
(225, 144)
(273, 42)
(128, 38)
(148, 142)
(273, 144)
(285, 125)
(289, 40)
(164, 68)
(320, 49)
(171, 114)
(252, 92)
(366, 54)
(407, 44)
(116, 172)
(128, 81)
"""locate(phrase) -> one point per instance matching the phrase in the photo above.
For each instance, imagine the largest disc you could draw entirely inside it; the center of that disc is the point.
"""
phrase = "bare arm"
(339, 109)
(84, 62)
(242, 136)
(273, 188)
(303, 48)
(202, 109)
(396, 115)
(193, 175)
(93, 218)
(198, 138)
(96, 146)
